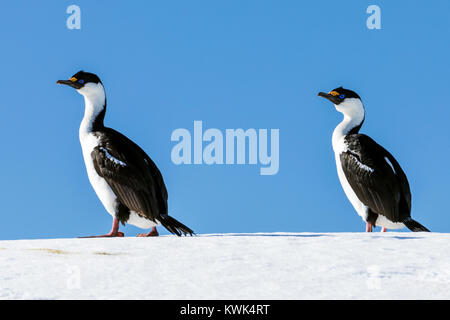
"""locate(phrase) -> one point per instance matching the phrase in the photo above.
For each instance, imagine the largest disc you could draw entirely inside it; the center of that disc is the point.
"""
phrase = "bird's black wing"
(376, 178)
(131, 174)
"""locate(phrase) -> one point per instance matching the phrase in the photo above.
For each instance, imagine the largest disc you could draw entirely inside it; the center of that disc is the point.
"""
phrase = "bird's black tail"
(175, 226)
(414, 226)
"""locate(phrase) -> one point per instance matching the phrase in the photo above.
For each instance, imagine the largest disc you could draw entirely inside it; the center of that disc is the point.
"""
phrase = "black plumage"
(385, 190)
(134, 178)
(380, 185)
(126, 180)
(372, 179)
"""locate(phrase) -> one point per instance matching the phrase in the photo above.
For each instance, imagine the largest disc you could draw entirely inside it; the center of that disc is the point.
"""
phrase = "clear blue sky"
(231, 64)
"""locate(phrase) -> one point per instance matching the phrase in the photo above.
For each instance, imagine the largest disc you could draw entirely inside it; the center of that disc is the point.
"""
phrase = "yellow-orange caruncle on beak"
(334, 93)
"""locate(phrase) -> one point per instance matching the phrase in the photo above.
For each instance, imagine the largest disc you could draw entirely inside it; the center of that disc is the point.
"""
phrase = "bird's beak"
(330, 97)
(70, 83)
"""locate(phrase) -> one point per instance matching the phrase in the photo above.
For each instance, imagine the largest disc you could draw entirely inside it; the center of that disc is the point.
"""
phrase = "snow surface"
(230, 266)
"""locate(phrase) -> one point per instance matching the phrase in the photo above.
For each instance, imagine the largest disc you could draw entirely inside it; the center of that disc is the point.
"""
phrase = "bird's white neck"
(95, 104)
(353, 111)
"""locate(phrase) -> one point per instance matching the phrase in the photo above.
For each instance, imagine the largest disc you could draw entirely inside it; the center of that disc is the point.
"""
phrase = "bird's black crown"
(86, 77)
(339, 94)
(80, 79)
(347, 93)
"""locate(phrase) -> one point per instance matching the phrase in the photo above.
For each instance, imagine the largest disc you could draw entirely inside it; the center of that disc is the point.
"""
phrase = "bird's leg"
(114, 230)
(368, 227)
(153, 233)
(113, 233)
(383, 229)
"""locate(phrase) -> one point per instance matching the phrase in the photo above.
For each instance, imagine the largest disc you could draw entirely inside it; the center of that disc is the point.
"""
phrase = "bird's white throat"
(95, 101)
(353, 111)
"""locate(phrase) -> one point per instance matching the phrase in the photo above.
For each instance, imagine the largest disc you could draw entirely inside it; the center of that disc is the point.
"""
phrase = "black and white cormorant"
(372, 179)
(126, 180)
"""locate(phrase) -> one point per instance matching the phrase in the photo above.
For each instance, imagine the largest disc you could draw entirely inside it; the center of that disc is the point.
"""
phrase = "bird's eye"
(342, 96)
(81, 81)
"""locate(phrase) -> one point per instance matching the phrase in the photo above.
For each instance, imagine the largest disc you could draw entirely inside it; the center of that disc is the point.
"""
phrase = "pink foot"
(153, 233)
(368, 227)
(113, 233)
(108, 235)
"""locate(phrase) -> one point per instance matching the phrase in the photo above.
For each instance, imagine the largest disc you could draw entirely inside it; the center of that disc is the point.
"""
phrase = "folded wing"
(376, 178)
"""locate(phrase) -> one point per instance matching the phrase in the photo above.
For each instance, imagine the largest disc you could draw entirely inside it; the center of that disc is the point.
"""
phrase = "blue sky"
(231, 64)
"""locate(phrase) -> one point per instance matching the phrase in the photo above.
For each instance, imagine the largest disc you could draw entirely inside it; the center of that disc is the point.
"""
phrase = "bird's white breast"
(360, 208)
(95, 101)
(339, 146)
(353, 112)
(104, 192)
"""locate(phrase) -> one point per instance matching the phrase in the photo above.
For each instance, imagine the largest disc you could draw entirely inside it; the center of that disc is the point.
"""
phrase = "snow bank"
(230, 266)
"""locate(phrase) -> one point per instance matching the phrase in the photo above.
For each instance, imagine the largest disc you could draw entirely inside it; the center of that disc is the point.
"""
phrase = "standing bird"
(126, 180)
(372, 179)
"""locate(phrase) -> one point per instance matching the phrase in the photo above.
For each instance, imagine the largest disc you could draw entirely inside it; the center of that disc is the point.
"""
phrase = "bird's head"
(346, 101)
(86, 83)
